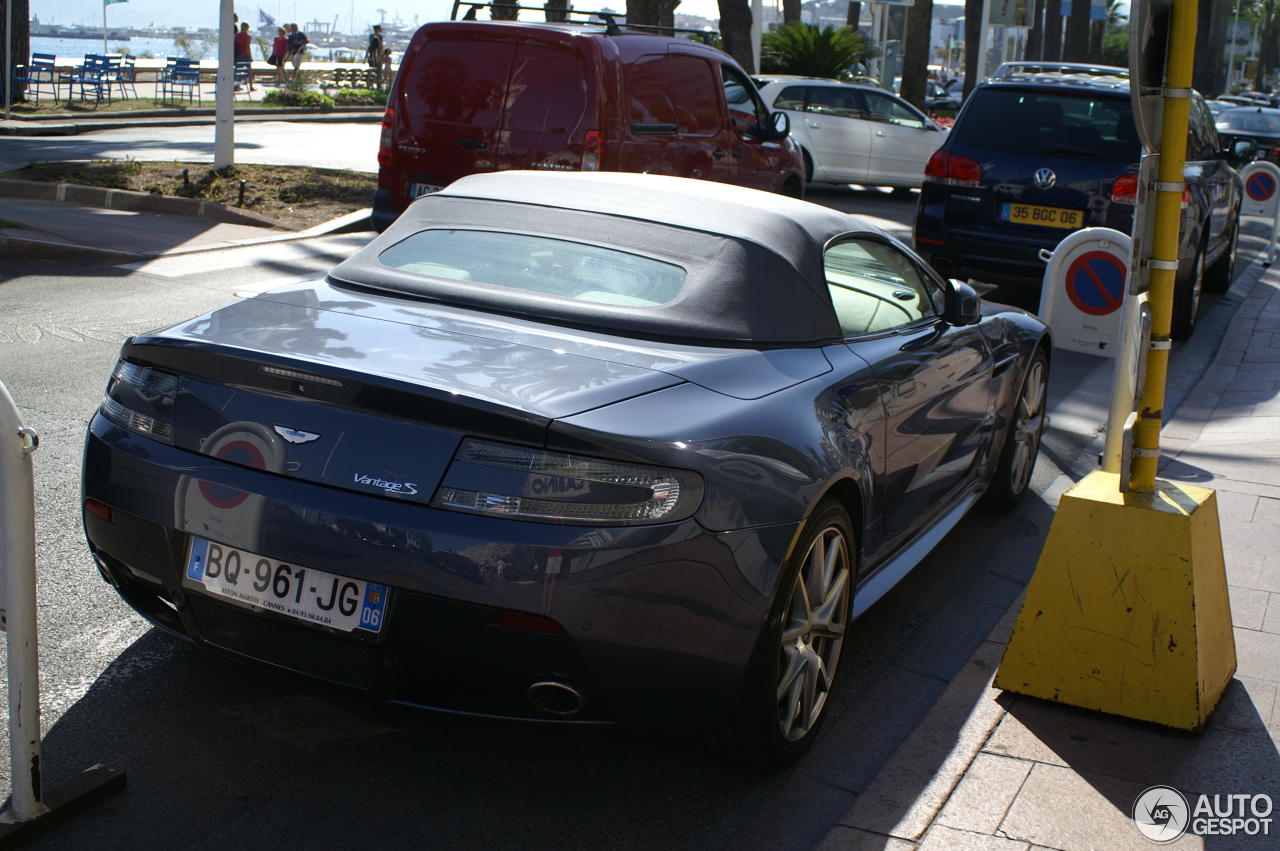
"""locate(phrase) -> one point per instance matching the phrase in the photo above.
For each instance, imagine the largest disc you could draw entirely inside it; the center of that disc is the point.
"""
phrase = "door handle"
(879, 132)
(737, 155)
(815, 125)
(719, 154)
(472, 143)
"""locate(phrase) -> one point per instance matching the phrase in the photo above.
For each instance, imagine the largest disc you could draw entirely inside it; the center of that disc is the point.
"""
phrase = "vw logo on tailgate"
(1045, 178)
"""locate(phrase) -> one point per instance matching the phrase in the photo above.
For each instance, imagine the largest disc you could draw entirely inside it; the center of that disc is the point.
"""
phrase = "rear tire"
(808, 166)
(1186, 297)
(793, 188)
(1218, 278)
(1012, 478)
(794, 664)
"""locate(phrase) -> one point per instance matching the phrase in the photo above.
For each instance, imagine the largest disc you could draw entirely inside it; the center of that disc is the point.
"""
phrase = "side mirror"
(1243, 150)
(781, 125)
(963, 307)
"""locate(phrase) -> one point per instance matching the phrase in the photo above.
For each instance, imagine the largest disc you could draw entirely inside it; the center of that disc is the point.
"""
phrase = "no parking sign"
(1262, 197)
(1084, 290)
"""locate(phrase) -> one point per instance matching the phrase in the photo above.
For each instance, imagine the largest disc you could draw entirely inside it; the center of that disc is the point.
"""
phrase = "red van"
(475, 96)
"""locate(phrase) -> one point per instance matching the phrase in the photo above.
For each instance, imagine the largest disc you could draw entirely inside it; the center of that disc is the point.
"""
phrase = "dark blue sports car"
(593, 448)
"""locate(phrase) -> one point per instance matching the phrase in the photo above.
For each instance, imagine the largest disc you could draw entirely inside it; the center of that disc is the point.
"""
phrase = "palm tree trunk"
(667, 15)
(1052, 30)
(644, 12)
(21, 42)
(1210, 74)
(735, 32)
(854, 14)
(916, 52)
(1077, 47)
(972, 38)
(790, 11)
(555, 11)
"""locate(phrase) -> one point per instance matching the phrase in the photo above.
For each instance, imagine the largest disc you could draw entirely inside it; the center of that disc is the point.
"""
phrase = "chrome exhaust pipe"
(557, 697)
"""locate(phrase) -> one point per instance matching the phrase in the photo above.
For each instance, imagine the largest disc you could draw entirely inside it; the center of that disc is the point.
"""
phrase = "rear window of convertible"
(538, 264)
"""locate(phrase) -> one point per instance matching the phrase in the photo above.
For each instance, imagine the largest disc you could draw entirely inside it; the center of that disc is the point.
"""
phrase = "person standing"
(242, 49)
(279, 48)
(373, 53)
(297, 45)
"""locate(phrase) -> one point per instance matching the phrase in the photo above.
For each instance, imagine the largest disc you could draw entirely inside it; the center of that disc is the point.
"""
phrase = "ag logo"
(1161, 814)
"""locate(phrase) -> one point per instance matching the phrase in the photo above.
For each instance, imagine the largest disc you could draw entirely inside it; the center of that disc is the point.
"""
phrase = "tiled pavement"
(999, 772)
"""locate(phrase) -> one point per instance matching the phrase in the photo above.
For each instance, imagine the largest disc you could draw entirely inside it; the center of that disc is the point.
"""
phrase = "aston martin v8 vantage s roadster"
(578, 447)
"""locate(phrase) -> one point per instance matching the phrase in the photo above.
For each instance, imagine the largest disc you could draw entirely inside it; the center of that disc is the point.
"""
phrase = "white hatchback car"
(854, 134)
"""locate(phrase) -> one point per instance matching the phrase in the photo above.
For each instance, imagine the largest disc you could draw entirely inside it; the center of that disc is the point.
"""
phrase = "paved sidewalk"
(1000, 772)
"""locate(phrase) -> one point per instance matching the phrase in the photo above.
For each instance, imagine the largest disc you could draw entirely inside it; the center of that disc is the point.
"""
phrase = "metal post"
(18, 575)
(1235, 35)
(224, 117)
(757, 30)
(8, 57)
(1164, 262)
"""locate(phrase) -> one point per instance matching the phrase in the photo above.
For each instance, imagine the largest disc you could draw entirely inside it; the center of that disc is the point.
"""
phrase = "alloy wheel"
(1028, 423)
(813, 633)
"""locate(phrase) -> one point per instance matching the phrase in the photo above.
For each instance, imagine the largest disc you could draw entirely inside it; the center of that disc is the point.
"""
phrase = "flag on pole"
(264, 18)
(109, 2)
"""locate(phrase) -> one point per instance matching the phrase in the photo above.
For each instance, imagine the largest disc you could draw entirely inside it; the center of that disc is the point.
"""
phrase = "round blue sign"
(1095, 282)
(1260, 186)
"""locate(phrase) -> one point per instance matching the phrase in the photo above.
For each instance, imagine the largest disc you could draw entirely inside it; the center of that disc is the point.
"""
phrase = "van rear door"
(544, 120)
(452, 109)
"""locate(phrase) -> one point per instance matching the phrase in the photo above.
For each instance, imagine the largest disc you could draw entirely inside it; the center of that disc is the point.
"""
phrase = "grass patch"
(294, 196)
(5, 223)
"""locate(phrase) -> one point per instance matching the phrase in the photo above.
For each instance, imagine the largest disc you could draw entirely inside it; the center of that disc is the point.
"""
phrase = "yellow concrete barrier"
(1127, 612)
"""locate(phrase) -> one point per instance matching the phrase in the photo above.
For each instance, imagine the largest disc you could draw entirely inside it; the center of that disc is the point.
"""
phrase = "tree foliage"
(810, 51)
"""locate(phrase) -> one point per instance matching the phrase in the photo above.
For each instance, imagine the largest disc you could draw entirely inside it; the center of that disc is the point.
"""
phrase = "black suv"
(1030, 160)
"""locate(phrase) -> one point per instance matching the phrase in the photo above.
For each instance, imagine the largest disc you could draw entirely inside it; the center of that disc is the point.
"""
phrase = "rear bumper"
(991, 258)
(659, 622)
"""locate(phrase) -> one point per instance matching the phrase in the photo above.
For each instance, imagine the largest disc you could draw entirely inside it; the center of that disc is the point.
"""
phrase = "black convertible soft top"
(754, 260)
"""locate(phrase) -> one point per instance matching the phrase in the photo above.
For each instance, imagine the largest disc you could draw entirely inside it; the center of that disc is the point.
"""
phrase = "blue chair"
(181, 78)
(241, 77)
(93, 75)
(38, 77)
(123, 74)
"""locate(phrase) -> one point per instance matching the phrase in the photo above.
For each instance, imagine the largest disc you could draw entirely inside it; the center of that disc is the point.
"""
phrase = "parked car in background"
(854, 134)
(1056, 70)
(600, 448)
(1029, 161)
(940, 101)
(1260, 124)
(475, 96)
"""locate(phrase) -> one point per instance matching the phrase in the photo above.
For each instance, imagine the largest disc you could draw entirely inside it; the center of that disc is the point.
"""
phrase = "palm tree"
(806, 50)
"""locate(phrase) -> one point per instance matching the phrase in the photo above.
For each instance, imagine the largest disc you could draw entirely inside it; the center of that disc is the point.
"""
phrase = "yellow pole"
(1173, 156)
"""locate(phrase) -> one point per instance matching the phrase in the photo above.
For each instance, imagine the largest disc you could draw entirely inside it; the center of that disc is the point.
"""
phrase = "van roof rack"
(612, 27)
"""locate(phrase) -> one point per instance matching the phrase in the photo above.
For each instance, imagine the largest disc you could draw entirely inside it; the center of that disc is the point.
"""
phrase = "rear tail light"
(141, 399)
(1125, 189)
(388, 138)
(532, 623)
(952, 170)
(593, 150)
(99, 508)
(512, 481)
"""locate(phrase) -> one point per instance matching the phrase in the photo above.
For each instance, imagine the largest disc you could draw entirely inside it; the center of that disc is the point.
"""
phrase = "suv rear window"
(538, 264)
(1059, 124)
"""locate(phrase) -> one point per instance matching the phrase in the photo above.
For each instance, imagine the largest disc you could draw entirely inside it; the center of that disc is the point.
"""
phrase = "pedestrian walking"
(279, 48)
(242, 49)
(297, 45)
(373, 53)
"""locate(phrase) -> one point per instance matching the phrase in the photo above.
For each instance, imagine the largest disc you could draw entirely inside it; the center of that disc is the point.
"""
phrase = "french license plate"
(417, 190)
(302, 593)
(1049, 217)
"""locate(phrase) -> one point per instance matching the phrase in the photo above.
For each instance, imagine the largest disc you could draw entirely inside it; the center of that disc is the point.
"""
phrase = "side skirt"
(889, 575)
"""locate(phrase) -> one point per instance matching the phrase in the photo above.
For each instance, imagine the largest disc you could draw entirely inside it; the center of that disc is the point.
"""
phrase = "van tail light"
(592, 150)
(1125, 189)
(388, 138)
(952, 170)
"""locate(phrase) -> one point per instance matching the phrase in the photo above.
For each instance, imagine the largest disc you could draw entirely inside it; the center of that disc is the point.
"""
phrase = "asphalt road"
(221, 756)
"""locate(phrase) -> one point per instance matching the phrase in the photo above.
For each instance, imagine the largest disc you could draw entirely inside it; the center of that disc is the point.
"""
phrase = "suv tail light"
(592, 150)
(388, 137)
(952, 170)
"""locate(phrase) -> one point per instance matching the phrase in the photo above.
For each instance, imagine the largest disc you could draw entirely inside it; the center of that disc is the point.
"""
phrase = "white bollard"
(28, 814)
(18, 576)
(1085, 287)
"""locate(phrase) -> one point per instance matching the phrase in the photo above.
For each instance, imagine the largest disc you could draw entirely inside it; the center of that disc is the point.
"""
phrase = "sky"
(203, 13)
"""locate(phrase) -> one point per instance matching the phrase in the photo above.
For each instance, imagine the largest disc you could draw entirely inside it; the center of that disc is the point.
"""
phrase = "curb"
(17, 246)
(74, 125)
(130, 201)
